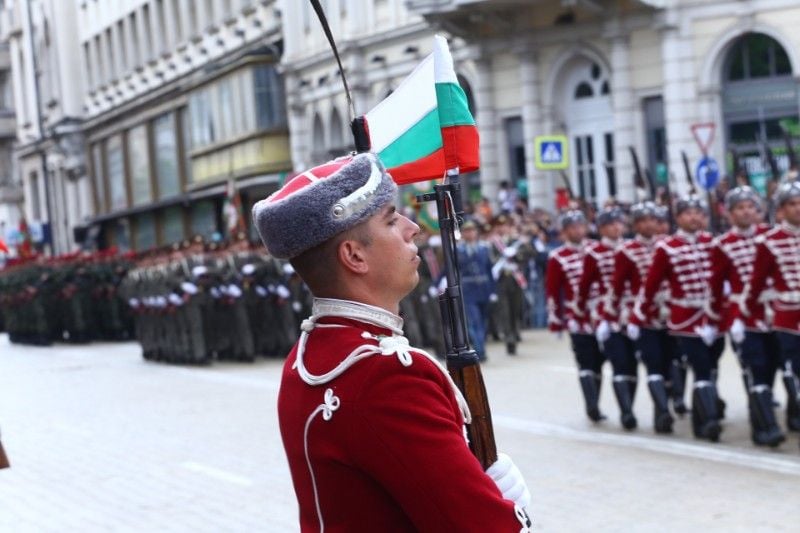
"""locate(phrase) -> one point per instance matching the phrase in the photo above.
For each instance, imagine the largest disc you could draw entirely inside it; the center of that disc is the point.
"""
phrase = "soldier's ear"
(352, 257)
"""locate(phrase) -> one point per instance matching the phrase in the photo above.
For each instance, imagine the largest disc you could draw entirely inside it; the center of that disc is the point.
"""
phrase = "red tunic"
(632, 260)
(777, 259)
(732, 257)
(684, 262)
(381, 447)
(564, 268)
(596, 278)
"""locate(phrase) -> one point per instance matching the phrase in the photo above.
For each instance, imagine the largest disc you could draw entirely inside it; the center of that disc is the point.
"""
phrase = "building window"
(270, 109)
(87, 61)
(102, 72)
(166, 155)
(36, 201)
(204, 218)
(202, 117)
(145, 231)
(112, 63)
(226, 112)
(148, 33)
(116, 172)
(99, 177)
(135, 51)
(756, 55)
(123, 47)
(172, 229)
(186, 137)
(515, 140)
(583, 90)
(139, 161)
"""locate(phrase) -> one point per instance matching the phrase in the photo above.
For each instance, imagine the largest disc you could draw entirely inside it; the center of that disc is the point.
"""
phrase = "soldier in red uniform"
(777, 258)
(684, 261)
(564, 267)
(596, 278)
(732, 259)
(373, 428)
(631, 262)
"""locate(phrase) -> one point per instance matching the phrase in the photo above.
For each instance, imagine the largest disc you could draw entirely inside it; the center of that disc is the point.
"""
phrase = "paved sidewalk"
(100, 440)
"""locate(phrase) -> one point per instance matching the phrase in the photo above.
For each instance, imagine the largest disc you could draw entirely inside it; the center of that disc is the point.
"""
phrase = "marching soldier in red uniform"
(564, 268)
(777, 258)
(732, 259)
(684, 261)
(374, 430)
(631, 262)
(597, 275)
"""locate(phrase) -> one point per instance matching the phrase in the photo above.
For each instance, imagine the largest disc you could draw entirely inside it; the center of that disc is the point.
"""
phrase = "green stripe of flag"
(420, 140)
(453, 107)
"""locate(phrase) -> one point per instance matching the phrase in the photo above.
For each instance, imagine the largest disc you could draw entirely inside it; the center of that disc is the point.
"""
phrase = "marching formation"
(668, 301)
(199, 302)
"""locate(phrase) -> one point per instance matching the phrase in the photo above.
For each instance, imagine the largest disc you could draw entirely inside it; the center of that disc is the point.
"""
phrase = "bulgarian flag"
(424, 128)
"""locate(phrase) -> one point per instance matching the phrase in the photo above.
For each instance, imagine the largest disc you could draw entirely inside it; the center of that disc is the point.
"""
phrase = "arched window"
(756, 55)
(337, 131)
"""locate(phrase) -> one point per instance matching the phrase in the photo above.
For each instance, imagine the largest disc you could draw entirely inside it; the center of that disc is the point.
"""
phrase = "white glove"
(603, 331)
(174, 299)
(509, 480)
(189, 287)
(282, 292)
(573, 326)
(708, 334)
(633, 332)
(737, 331)
(297, 306)
(234, 291)
(261, 291)
(433, 292)
(493, 297)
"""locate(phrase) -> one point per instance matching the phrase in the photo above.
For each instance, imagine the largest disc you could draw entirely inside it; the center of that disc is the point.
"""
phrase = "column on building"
(678, 101)
(622, 101)
(538, 191)
(298, 122)
(487, 126)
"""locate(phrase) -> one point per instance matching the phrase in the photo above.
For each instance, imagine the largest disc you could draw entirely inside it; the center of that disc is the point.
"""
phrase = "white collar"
(611, 243)
(749, 231)
(642, 239)
(358, 311)
(794, 230)
(691, 237)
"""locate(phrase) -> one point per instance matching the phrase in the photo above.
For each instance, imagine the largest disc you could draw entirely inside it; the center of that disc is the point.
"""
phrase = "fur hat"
(741, 194)
(571, 217)
(786, 192)
(321, 203)
(609, 215)
(690, 202)
(643, 210)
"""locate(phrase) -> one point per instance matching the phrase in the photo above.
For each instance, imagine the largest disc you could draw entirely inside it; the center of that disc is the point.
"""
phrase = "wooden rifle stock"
(462, 361)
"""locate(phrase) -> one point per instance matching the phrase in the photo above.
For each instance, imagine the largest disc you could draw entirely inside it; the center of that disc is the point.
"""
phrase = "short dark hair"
(317, 265)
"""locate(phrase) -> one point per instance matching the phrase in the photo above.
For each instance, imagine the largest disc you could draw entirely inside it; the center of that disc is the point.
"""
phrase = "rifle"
(688, 170)
(462, 361)
(638, 180)
(773, 164)
(738, 169)
(567, 184)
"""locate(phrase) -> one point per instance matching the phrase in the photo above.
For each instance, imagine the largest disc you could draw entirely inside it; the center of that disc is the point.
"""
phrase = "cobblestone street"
(100, 440)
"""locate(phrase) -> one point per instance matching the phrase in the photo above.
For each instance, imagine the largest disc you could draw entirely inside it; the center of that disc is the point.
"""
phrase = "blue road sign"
(707, 173)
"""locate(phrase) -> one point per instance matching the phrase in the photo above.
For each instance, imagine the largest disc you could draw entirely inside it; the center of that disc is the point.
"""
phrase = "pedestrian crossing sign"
(551, 152)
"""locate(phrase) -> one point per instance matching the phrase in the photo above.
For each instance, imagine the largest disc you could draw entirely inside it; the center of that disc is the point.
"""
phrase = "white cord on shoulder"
(389, 345)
